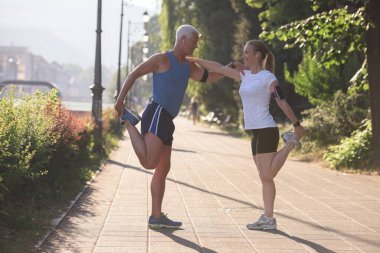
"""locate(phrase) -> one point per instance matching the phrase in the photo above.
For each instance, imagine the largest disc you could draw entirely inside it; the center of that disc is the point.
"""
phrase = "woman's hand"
(299, 132)
(237, 65)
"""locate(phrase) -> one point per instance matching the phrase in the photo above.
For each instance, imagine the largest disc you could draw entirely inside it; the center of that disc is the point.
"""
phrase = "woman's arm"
(288, 111)
(216, 67)
(237, 65)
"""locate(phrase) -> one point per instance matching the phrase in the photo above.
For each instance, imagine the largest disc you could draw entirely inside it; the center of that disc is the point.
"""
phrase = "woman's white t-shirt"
(255, 95)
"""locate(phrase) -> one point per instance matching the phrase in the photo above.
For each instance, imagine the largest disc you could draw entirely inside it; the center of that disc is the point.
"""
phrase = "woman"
(258, 83)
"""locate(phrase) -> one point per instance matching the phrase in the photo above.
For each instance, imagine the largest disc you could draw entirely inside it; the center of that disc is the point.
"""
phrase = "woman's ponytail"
(267, 56)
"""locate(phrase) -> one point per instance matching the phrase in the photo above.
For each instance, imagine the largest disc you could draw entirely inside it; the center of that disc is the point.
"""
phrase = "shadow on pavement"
(183, 183)
(204, 151)
(316, 226)
(70, 224)
(317, 247)
(169, 233)
(183, 150)
(216, 133)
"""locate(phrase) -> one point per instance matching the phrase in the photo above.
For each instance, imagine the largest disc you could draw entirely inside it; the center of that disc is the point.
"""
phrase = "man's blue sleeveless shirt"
(169, 87)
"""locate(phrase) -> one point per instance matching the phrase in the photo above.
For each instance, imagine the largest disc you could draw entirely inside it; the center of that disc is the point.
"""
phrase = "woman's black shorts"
(264, 140)
(158, 121)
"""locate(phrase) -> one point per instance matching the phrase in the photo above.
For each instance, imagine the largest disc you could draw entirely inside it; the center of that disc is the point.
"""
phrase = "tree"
(273, 14)
(372, 8)
(336, 31)
(215, 21)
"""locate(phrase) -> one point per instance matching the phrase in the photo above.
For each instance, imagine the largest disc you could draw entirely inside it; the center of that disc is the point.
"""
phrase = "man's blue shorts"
(158, 121)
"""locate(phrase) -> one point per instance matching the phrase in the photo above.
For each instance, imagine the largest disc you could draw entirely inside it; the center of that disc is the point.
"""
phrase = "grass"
(24, 227)
(26, 223)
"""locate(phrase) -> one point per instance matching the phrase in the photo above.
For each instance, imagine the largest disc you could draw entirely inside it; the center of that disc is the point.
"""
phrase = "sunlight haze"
(64, 30)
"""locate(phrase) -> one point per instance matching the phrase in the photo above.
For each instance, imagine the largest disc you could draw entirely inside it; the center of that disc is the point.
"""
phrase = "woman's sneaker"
(129, 115)
(290, 137)
(263, 223)
(163, 222)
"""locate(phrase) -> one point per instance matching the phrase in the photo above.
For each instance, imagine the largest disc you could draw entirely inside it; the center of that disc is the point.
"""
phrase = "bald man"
(153, 146)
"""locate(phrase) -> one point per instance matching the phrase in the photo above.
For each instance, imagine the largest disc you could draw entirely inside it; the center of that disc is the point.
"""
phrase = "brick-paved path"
(214, 189)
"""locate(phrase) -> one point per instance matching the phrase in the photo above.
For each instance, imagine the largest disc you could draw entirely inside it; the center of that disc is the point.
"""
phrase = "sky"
(73, 22)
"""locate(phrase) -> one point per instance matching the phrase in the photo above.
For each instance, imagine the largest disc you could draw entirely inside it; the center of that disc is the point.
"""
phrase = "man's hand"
(119, 106)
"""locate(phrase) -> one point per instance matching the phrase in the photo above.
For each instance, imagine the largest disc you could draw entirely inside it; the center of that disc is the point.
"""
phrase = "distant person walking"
(194, 110)
(258, 83)
(153, 146)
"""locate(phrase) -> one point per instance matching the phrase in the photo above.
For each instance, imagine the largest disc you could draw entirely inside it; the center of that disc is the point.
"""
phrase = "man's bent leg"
(147, 147)
(159, 179)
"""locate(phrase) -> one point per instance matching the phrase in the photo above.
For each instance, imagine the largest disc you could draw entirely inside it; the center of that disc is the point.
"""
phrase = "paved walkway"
(214, 189)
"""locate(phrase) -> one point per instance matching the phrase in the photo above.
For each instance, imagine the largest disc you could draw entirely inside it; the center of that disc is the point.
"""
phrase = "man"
(153, 147)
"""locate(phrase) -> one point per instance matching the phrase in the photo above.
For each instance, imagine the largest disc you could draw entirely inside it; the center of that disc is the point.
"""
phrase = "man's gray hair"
(187, 31)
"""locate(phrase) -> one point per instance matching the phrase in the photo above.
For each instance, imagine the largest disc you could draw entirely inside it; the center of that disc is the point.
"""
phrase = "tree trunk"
(373, 57)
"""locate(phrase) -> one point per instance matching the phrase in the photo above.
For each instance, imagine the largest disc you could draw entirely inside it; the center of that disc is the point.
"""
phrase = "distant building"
(17, 63)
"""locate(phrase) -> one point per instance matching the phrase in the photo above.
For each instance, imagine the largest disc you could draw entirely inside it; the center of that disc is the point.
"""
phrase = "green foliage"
(25, 139)
(215, 44)
(353, 151)
(247, 27)
(213, 47)
(274, 13)
(41, 143)
(318, 83)
(333, 120)
(331, 35)
(359, 82)
(314, 81)
(175, 13)
(322, 5)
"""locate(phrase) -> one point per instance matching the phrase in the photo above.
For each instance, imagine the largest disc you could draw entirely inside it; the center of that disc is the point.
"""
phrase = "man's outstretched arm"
(216, 68)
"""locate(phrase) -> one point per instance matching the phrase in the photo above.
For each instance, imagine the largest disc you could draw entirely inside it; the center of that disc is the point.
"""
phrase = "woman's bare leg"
(263, 163)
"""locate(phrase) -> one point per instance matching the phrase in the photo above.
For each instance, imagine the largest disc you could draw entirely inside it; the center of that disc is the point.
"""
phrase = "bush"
(314, 81)
(25, 139)
(45, 159)
(354, 151)
(331, 121)
(43, 146)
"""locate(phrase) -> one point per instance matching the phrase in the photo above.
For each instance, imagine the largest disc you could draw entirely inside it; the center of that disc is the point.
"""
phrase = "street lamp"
(145, 38)
(146, 19)
(97, 88)
(119, 62)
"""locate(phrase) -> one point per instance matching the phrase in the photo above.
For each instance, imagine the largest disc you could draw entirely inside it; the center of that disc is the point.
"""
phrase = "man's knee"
(149, 165)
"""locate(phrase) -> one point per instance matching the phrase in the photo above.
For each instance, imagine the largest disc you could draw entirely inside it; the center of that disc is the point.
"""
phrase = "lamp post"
(120, 42)
(146, 19)
(97, 88)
